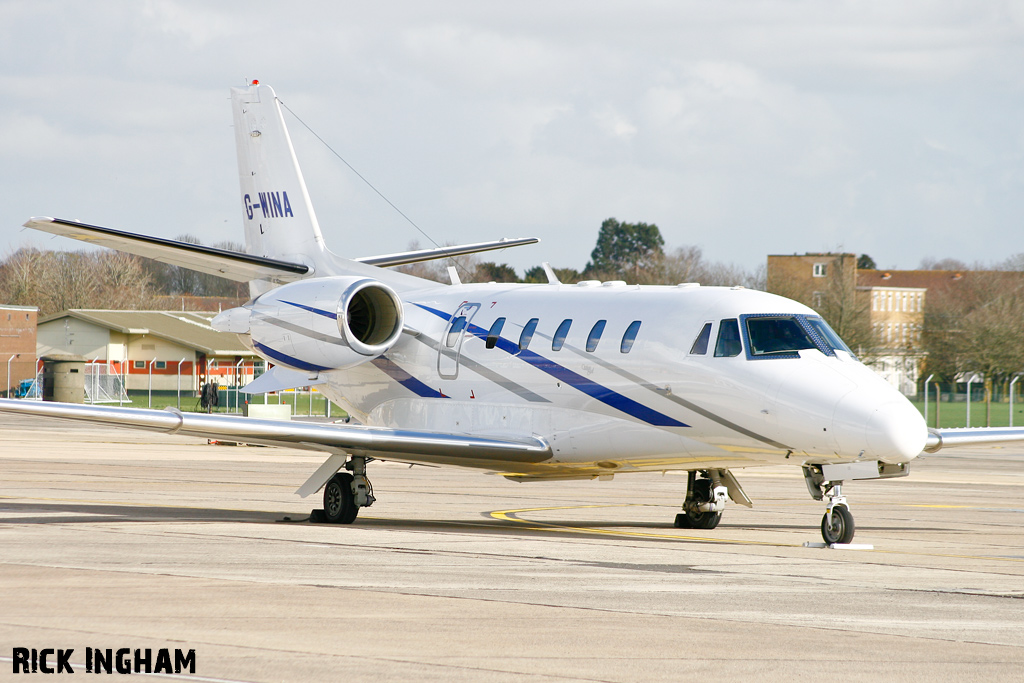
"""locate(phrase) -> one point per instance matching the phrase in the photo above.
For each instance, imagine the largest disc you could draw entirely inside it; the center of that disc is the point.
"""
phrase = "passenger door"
(449, 350)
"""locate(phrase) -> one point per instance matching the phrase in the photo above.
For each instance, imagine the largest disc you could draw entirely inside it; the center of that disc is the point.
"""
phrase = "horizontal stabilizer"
(279, 379)
(972, 436)
(232, 265)
(379, 442)
(405, 257)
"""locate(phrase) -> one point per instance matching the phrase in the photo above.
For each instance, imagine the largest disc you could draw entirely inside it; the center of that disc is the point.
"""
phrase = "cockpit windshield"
(775, 335)
(828, 334)
(783, 336)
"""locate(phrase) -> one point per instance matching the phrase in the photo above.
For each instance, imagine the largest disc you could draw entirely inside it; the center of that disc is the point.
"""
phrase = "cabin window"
(527, 335)
(629, 337)
(494, 333)
(595, 335)
(728, 344)
(559, 339)
(700, 344)
(772, 336)
(455, 330)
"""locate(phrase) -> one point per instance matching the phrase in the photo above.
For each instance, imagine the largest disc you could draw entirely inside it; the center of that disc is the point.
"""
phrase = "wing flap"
(404, 445)
(232, 265)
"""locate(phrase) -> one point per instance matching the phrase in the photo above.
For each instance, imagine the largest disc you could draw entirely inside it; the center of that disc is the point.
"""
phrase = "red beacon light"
(255, 82)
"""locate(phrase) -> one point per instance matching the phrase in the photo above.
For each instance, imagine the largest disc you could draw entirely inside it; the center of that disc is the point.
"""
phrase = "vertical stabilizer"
(279, 219)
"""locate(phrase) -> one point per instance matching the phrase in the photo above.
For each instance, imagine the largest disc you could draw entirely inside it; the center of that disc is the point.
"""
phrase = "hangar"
(169, 348)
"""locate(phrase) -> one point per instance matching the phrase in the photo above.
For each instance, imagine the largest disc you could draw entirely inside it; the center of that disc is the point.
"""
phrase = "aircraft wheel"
(838, 529)
(698, 520)
(705, 520)
(339, 507)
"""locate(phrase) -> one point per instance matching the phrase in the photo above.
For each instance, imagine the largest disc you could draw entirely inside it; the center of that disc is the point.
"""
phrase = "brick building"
(17, 345)
(893, 300)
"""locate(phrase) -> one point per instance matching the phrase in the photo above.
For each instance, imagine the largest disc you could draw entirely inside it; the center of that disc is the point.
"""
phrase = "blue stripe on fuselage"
(285, 359)
(318, 311)
(563, 374)
(392, 370)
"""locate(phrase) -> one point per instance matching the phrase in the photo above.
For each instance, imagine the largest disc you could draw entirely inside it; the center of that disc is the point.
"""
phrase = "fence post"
(179, 382)
(151, 381)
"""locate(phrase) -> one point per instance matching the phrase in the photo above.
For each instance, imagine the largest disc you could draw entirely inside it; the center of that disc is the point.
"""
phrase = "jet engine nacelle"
(321, 324)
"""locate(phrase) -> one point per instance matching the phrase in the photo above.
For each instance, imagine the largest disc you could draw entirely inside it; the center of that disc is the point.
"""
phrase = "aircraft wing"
(972, 436)
(386, 444)
(232, 265)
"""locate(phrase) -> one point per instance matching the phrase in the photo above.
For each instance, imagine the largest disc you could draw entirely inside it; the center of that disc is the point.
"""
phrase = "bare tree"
(975, 327)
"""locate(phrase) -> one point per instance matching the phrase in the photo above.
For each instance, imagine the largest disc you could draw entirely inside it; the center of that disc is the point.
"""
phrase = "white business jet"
(531, 381)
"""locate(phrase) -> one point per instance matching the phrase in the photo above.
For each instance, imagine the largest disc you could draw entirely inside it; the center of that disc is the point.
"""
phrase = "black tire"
(840, 528)
(692, 519)
(704, 520)
(339, 507)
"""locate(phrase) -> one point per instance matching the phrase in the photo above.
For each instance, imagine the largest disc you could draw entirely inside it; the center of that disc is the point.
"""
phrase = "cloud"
(746, 127)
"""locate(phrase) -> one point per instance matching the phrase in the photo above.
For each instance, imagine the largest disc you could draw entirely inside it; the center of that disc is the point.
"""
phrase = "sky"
(746, 128)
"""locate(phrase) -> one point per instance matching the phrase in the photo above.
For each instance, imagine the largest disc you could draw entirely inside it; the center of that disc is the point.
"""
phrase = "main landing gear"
(705, 500)
(345, 493)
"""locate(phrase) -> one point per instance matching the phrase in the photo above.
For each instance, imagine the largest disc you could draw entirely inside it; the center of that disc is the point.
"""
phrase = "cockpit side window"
(700, 344)
(770, 335)
(728, 344)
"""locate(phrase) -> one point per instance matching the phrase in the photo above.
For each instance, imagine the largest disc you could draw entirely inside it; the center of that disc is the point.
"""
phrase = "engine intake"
(370, 317)
(325, 324)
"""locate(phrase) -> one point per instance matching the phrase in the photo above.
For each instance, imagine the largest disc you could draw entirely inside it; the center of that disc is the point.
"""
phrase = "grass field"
(955, 414)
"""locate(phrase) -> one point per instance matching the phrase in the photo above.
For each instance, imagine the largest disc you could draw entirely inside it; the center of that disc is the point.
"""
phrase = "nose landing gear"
(837, 524)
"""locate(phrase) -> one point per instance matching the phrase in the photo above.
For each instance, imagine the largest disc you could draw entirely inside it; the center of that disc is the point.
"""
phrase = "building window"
(820, 269)
(161, 365)
(139, 364)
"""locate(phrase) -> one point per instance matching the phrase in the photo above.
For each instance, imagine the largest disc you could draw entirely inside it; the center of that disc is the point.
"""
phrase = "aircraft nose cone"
(896, 431)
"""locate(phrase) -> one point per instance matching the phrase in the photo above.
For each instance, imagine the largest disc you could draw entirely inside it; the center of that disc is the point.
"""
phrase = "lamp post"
(926, 397)
(151, 381)
(179, 382)
(1012, 382)
(17, 355)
